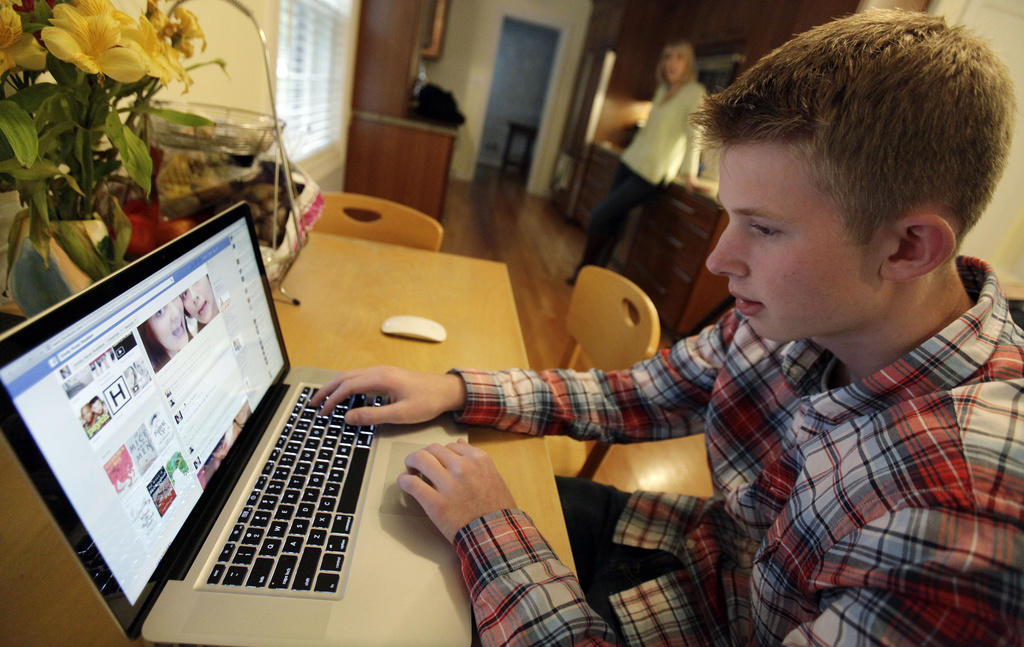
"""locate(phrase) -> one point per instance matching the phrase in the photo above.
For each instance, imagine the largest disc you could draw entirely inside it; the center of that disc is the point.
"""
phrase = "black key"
(356, 470)
(260, 518)
(332, 562)
(307, 455)
(306, 510)
(321, 467)
(343, 524)
(317, 537)
(285, 512)
(216, 573)
(302, 468)
(235, 576)
(307, 569)
(336, 476)
(326, 504)
(268, 502)
(244, 555)
(260, 572)
(286, 460)
(226, 552)
(332, 489)
(321, 520)
(293, 447)
(253, 536)
(296, 482)
(290, 496)
(327, 583)
(340, 462)
(292, 545)
(244, 517)
(270, 547)
(300, 526)
(268, 468)
(337, 543)
(275, 487)
(284, 572)
(278, 529)
(254, 496)
(236, 532)
(282, 473)
(311, 495)
(316, 480)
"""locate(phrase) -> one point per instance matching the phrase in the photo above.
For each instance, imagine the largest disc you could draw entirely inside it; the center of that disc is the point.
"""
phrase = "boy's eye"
(763, 230)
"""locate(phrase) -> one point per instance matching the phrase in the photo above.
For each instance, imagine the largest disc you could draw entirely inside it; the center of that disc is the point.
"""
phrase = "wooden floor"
(492, 217)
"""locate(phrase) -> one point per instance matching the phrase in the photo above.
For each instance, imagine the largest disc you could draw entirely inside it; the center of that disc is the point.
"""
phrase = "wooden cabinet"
(387, 56)
(390, 152)
(403, 160)
(673, 236)
(594, 182)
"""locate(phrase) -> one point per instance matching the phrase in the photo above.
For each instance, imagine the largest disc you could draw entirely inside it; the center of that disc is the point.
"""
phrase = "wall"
(233, 37)
(999, 236)
(466, 69)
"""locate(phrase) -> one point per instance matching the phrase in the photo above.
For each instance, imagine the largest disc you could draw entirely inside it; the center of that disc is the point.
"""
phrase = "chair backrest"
(371, 218)
(613, 322)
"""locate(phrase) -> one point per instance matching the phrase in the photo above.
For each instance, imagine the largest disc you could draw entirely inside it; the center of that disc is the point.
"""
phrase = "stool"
(528, 133)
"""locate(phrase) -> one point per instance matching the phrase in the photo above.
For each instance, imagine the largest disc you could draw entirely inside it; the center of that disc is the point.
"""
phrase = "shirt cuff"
(496, 544)
(484, 401)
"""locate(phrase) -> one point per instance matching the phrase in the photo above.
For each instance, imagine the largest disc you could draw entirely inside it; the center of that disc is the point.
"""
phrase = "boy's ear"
(924, 241)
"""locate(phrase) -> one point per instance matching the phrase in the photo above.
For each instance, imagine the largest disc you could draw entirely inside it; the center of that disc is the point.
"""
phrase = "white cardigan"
(667, 143)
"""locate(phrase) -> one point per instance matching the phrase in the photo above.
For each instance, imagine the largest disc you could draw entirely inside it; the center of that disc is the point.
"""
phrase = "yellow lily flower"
(188, 30)
(89, 37)
(16, 51)
(161, 61)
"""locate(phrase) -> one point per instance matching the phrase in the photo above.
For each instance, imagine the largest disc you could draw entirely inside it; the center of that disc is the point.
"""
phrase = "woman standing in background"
(665, 147)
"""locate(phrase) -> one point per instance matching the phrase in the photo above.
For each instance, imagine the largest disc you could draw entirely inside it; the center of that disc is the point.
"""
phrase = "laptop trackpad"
(395, 500)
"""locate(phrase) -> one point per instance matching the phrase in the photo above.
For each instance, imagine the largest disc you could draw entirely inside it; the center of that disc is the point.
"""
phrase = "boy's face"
(791, 266)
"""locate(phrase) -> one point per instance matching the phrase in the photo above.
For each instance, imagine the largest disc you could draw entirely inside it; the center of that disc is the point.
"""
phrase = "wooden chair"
(613, 324)
(371, 218)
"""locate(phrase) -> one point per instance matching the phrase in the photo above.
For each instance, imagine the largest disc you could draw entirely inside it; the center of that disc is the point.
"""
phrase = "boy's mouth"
(747, 307)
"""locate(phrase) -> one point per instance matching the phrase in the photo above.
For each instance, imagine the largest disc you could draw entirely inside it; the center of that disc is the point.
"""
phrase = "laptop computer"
(158, 417)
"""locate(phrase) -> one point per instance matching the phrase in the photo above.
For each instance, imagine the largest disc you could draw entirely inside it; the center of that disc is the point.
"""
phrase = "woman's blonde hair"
(686, 48)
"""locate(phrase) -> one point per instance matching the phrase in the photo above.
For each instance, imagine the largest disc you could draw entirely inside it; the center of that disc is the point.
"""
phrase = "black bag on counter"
(435, 103)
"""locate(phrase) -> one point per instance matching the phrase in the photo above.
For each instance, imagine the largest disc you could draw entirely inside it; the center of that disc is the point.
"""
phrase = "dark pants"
(609, 216)
(591, 511)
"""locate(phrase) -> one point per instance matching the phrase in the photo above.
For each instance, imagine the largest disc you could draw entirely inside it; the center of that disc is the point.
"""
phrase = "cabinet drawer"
(701, 215)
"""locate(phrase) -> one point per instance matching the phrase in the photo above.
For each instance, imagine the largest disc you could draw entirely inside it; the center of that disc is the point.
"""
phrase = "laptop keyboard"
(295, 528)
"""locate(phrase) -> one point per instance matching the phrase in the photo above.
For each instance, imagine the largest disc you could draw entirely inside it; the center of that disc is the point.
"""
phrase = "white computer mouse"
(414, 327)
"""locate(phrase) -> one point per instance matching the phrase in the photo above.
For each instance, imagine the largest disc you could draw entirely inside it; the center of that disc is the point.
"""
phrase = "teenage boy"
(862, 404)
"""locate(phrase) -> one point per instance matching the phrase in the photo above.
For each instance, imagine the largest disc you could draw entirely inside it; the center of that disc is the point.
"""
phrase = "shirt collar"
(941, 362)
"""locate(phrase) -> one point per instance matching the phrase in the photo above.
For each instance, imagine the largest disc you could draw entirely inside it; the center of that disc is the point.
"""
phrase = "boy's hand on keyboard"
(414, 397)
(455, 484)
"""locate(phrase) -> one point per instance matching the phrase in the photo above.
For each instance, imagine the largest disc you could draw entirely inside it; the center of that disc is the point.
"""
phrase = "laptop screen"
(135, 390)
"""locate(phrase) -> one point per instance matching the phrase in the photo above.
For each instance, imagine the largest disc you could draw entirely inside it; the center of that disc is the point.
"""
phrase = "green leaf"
(73, 239)
(134, 153)
(122, 234)
(41, 170)
(175, 116)
(65, 74)
(20, 131)
(14, 237)
(32, 97)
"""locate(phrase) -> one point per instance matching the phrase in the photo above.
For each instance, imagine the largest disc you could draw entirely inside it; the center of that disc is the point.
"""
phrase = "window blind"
(310, 69)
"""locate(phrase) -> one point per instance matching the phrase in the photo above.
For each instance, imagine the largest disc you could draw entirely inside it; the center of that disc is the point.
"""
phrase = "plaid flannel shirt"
(888, 511)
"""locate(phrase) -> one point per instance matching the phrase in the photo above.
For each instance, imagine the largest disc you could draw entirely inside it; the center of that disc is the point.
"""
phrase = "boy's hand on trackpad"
(455, 484)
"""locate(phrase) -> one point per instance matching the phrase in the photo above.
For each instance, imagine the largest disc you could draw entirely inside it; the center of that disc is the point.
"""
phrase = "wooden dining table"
(345, 289)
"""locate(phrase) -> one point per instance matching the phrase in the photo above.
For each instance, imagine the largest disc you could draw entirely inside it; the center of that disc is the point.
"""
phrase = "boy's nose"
(724, 259)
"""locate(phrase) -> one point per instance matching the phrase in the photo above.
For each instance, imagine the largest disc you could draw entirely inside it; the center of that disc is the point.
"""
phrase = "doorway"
(515, 104)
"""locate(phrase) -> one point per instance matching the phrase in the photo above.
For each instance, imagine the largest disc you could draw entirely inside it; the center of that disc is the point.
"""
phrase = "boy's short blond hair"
(892, 110)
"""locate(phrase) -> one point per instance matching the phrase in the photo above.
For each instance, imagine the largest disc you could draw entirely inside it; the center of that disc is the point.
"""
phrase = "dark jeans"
(591, 511)
(609, 216)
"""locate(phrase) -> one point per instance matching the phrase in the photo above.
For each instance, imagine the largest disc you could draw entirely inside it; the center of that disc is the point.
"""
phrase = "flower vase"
(36, 285)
